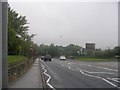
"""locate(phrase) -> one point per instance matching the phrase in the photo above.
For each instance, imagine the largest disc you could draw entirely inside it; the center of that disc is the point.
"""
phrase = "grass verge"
(16, 58)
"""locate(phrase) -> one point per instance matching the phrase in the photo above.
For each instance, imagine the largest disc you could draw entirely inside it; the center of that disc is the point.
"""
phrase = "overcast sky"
(63, 23)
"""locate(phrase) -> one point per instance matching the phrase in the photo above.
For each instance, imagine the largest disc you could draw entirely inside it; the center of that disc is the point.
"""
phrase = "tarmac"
(33, 78)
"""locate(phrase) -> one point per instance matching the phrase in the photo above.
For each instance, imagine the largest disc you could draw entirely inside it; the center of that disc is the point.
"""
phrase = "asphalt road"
(80, 74)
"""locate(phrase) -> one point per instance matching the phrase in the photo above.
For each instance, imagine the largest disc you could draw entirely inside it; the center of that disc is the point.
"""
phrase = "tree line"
(108, 53)
(56, 51)
(72, 50)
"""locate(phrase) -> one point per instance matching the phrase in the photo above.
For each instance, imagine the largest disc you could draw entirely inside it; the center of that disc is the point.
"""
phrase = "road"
(80, 74)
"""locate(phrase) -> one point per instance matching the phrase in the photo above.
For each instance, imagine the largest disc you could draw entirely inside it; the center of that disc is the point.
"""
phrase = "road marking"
(103, 79)
(49, 77)
(98, 72)
(92, 76)
(69, 67)
(69, 63)
(109, 82)
(114, 80)
(105, 68)
(73, 69)
(83, 74)
(98, 77)
(82, 71)
(89, 65)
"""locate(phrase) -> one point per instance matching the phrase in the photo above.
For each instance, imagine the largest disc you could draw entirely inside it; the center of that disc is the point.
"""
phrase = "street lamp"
(108, 52)
(31, 51)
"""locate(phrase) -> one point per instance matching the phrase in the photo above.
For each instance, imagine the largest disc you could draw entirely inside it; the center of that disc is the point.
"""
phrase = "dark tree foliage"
(56, 51)
(71, 51)
(19, 41)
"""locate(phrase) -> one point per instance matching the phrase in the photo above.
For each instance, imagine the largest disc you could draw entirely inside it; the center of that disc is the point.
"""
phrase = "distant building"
(90, 49)
(90, 46)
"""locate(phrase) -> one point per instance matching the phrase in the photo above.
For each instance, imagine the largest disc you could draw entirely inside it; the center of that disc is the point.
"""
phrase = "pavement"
(33, 78)
(73, 74)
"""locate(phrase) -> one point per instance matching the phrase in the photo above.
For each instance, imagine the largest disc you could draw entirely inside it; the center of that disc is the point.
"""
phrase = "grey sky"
(63, 23)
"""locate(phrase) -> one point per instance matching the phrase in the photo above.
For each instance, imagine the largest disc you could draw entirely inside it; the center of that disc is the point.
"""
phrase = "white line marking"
(87, 74)
(83, 74)
(98, 72)
(89, 65)
(73, 69)
(92, 75)
(98, 77)
(49, 77)
(69, 67)
(109, 82)
(82, 71)
(114, 80)
(106, 68)
(103, 79)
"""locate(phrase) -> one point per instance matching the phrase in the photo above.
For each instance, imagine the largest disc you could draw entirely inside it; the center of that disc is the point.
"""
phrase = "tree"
(71, 50)
(19, 41)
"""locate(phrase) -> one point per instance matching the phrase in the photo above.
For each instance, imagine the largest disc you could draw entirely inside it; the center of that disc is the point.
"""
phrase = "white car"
(62, 57)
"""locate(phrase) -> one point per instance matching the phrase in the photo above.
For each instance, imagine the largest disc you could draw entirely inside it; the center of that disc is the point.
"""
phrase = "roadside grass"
(95, 59)
(16, 58)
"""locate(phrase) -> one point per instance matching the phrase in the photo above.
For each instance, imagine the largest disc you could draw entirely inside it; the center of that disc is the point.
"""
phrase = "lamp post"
(3, 42)
(31, 48)
(108, 52)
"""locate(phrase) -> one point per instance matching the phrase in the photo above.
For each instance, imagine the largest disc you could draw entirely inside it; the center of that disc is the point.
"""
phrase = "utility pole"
(3, 41)
(61, 40)
(0, 45)
(108, 53)
(119, 41)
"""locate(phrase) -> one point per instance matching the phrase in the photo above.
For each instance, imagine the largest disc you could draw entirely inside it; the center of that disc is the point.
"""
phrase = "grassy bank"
(16, 58)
